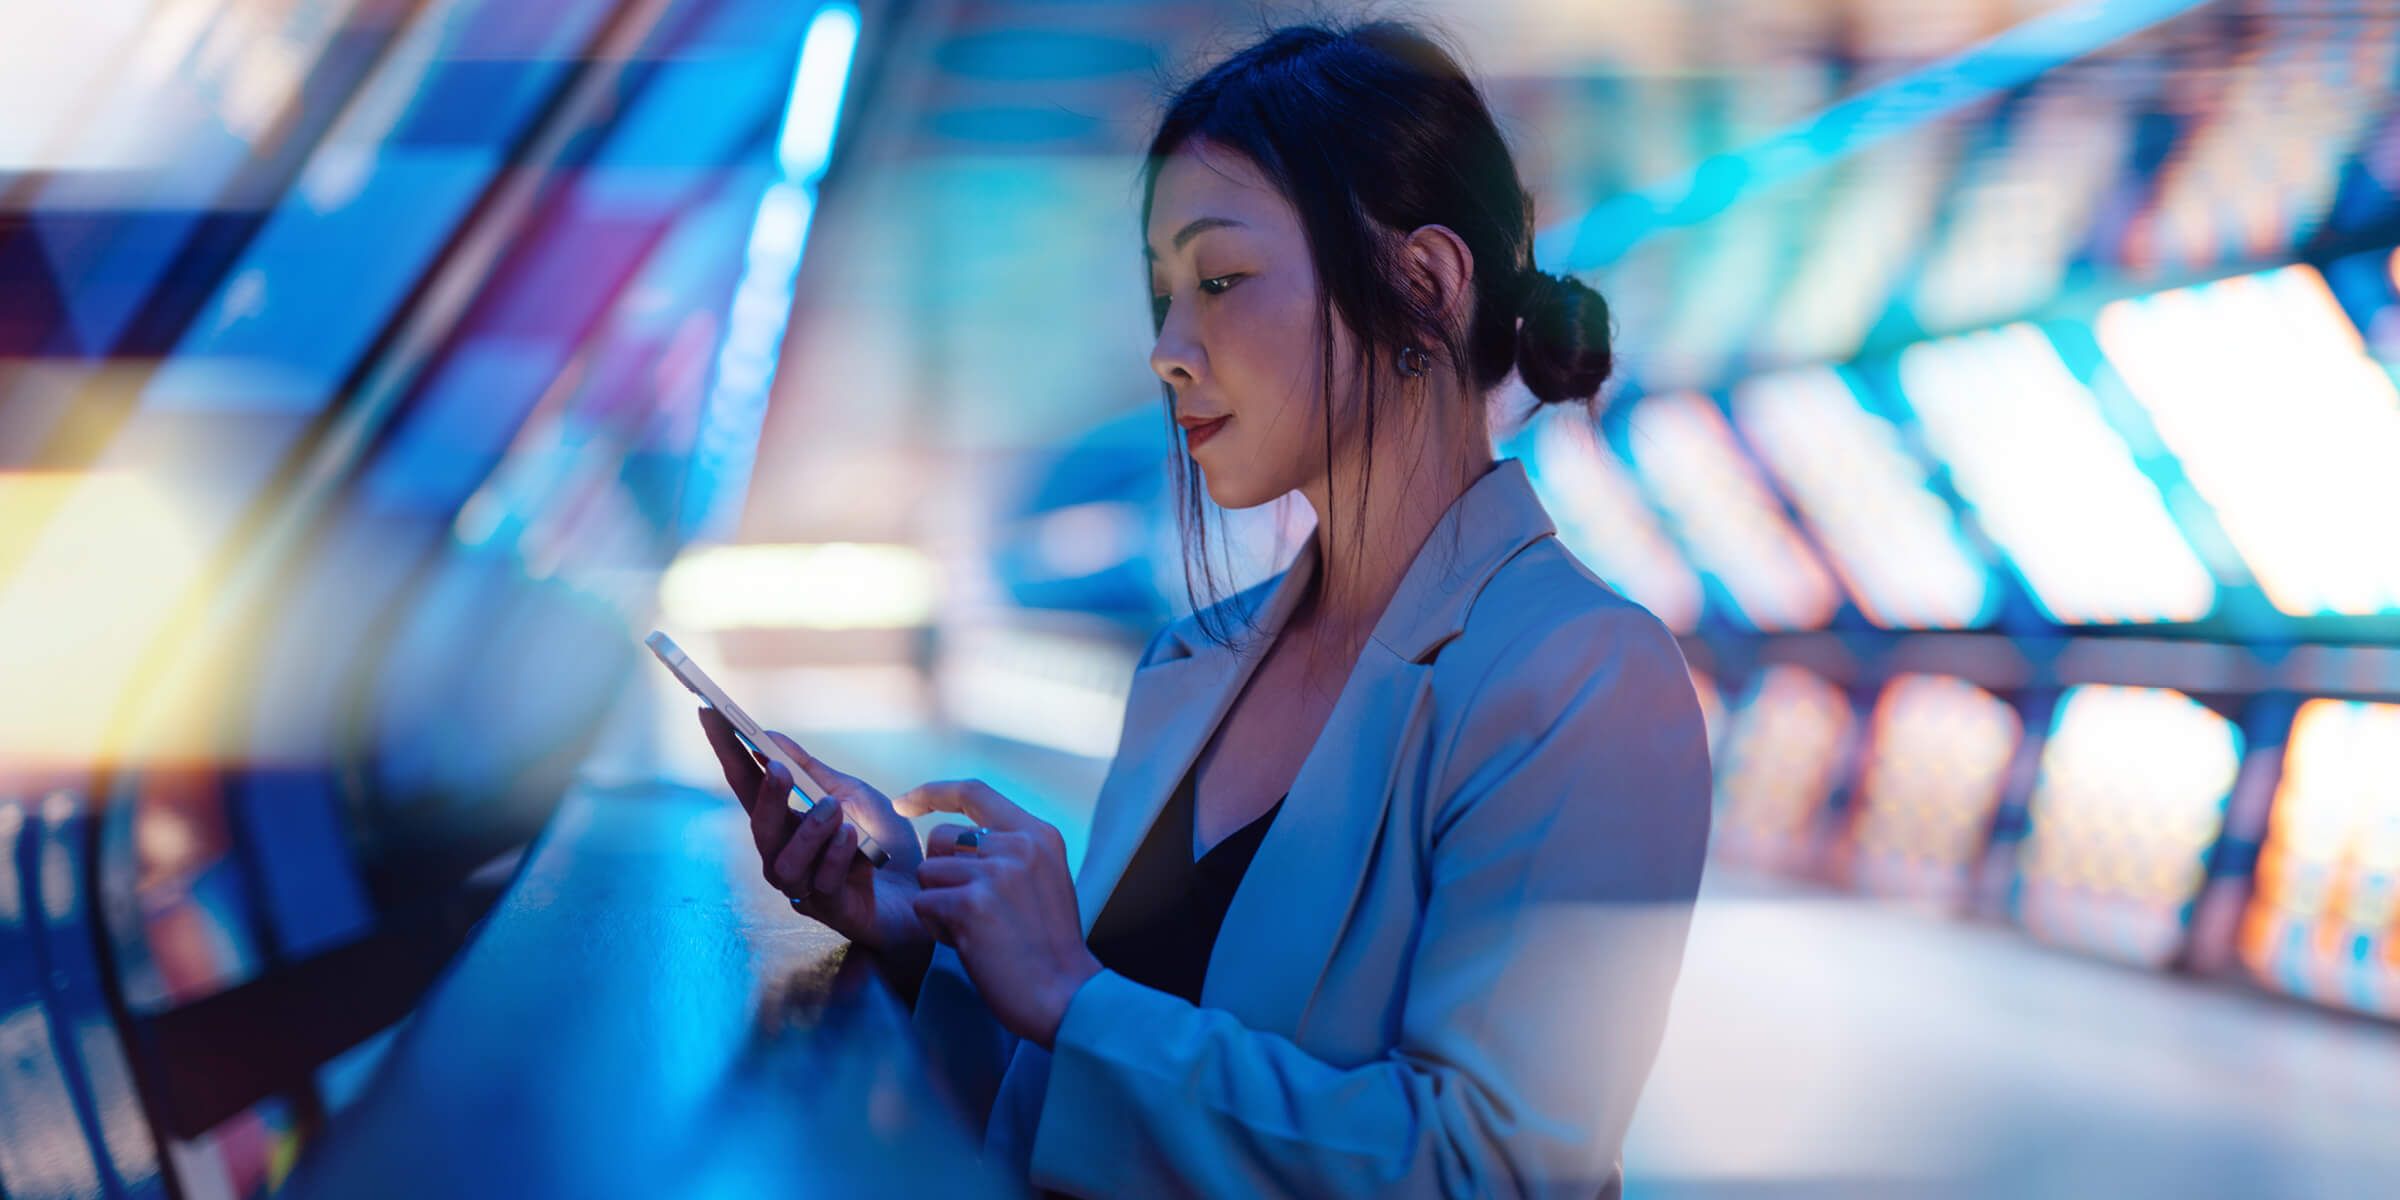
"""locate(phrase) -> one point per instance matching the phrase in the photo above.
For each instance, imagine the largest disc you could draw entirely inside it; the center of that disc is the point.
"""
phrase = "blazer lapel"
(1306, 877)
(1173, 706)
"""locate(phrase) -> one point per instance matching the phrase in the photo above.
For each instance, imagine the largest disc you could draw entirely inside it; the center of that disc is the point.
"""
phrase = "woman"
(1388, 884)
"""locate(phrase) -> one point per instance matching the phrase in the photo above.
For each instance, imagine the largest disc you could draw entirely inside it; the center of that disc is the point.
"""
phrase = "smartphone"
(803, 788)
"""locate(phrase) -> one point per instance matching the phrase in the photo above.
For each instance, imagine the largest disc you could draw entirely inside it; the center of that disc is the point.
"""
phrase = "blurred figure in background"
(1389, 882)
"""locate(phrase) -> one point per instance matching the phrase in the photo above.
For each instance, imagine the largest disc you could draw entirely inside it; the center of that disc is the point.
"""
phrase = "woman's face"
(1230, 272)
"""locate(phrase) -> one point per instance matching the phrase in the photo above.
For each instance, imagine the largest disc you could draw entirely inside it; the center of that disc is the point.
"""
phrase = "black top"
(1159, 925)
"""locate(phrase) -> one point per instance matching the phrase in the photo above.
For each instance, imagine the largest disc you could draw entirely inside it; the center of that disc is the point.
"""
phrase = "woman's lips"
(1201, 433)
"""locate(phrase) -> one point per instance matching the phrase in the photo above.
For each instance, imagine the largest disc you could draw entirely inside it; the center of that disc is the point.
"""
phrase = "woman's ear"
(1441, 270)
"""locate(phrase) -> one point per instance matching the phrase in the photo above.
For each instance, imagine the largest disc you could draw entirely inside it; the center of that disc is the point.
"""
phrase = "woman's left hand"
(1006, 905)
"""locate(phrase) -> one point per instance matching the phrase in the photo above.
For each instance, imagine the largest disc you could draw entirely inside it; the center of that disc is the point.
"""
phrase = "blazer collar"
(1496, 517)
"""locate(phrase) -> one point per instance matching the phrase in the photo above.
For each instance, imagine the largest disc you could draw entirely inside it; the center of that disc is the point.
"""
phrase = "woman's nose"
(1175, 356)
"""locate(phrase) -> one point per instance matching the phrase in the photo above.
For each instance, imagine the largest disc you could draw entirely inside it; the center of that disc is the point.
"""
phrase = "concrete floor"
(1824, 1045)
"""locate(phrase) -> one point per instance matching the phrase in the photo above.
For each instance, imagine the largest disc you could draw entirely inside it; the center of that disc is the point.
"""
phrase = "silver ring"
(972, 837)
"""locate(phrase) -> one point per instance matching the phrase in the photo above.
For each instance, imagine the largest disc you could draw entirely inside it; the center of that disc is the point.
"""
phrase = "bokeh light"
(2324, 919)
(2052, 482)
(1785, 746)
(1719, 506)
(2131, 798)
(1936, 767)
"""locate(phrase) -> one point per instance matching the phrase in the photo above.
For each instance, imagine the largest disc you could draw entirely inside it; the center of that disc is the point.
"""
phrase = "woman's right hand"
(813, 857)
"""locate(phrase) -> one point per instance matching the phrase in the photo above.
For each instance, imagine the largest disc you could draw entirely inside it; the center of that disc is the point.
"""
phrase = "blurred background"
(2007, 423)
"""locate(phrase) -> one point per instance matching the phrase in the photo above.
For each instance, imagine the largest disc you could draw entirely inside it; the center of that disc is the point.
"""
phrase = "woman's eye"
(1214, 286)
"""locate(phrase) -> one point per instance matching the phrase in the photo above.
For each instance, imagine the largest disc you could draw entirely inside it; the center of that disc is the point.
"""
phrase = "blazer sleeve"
(967, 1047)
(1565, 853)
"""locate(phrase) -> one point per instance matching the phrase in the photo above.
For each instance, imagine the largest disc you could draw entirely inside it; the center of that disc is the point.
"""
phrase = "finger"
(827, 779)
(735, 759)
(947, 914)
(943, 839)
(970, 798)
(833, 866)
(795, 865)
(957, 870)
(771, 815)
(932, 912)
(1003, 844)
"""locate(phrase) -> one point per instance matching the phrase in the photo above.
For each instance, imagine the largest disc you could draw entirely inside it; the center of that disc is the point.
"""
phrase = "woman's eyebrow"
(1198, 226)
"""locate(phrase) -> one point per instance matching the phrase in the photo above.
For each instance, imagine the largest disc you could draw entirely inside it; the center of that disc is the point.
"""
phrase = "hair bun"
(1563, 346)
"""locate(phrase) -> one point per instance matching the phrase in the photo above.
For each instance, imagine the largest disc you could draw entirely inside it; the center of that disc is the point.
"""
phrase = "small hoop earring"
(1414, 362)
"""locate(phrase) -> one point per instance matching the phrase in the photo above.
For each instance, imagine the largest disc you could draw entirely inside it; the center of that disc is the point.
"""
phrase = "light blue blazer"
(1447, 970)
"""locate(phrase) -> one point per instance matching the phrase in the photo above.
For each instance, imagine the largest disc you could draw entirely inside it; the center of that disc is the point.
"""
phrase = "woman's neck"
(1367, 559)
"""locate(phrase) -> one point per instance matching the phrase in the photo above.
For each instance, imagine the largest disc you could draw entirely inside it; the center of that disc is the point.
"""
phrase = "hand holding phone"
(804, 788)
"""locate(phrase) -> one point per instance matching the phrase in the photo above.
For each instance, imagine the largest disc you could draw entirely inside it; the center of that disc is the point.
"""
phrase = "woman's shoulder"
(1545, 607)
(1556, 675)
(1546, 646)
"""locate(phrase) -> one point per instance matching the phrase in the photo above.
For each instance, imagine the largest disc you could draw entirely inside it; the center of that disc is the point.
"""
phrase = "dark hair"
(1375, 124)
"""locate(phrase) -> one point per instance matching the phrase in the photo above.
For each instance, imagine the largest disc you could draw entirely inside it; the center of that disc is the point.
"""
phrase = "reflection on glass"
(380, 197)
